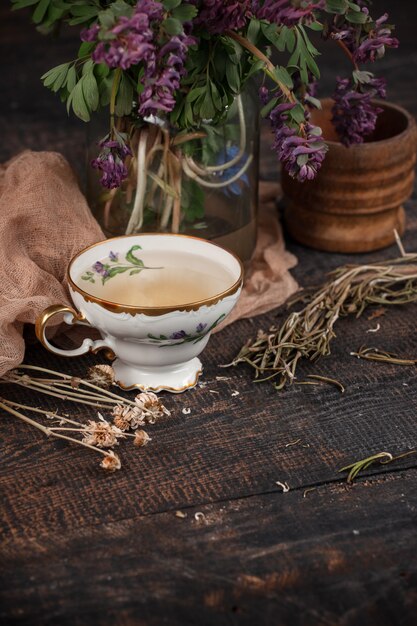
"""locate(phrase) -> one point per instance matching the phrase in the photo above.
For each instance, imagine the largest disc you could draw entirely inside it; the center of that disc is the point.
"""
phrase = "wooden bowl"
(356, 201)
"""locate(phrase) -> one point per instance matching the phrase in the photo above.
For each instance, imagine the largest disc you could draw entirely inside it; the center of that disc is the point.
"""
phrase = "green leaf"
(336, 6)
(22, 4)
(88, 67)
(172, 26)
(78, 103)
(282, 74)
(131, 257)
(184, 13)
(171, 4)
(40, 11)
(132, 272)
(56, 74)
(85, 48)
(298, 113)
(124, 99)
(90, 91)
(105, 87)
(232, 75)
(357, 18)
(268, 107)
(316, 26)
(106, 19)
(195, 93)
(253, 31)
(207, 110)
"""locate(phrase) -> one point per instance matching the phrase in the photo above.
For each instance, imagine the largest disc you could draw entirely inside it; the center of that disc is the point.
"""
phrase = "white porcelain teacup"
(155, 299)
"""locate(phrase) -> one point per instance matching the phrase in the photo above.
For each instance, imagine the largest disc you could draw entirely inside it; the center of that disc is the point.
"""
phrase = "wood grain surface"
(80, 547)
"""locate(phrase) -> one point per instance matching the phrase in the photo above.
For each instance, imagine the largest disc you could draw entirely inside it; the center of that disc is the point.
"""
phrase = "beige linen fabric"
(44, 221)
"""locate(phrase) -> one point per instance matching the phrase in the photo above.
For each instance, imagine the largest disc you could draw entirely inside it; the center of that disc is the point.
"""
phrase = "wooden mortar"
(356, 200)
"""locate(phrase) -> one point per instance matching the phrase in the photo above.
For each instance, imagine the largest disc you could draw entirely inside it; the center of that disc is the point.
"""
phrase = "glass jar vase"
(203, 184)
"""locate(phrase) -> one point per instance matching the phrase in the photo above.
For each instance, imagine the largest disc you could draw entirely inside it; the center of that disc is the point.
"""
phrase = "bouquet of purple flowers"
(180, 64)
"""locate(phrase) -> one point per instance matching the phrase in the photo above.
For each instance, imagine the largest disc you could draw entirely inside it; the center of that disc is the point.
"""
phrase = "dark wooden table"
(82, 547)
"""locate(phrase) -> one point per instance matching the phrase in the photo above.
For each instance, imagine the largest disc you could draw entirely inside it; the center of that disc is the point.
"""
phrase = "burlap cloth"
(45, 220)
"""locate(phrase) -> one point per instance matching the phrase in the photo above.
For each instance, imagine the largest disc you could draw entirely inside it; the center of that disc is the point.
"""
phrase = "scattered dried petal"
(101, 375)
(377, 313)
(180, 514)
(285, 486)
(186, 411)
(141, 438)
(199, 516)
(235, 393)
(75, 382)
(374, 330)
(111, 462)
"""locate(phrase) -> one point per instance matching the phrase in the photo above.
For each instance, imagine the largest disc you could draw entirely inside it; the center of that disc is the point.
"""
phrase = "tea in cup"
(155, 299)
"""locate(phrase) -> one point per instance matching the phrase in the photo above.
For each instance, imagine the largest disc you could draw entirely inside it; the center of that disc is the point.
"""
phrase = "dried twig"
(307, 334)
(363, 464)
(373, 354)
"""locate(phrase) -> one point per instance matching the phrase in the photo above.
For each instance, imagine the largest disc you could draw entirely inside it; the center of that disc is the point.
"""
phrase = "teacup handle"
(71, 317)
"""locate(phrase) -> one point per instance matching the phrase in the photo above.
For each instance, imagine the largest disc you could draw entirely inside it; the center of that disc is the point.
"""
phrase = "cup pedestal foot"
(173, 378)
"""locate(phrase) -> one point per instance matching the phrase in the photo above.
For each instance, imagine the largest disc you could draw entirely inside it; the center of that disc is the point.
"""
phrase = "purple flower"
(90, 34)
(217, 16)
(110, 161)
(113, 256)
(132, 39)
(179, 334)
(264, 95)
(300, 149)
(370, 43)
(285, 11)
(161, 83)
(101, 269)
(354, 114)
(200, 327)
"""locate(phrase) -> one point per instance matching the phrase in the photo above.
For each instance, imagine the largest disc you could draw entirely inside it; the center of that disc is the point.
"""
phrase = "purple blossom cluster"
(137, 40)
(162, 81)
(373, 45)
(300, 149)
(217, 16)
(285, 11)
(354, 114)
(131, 39)
(111, 161)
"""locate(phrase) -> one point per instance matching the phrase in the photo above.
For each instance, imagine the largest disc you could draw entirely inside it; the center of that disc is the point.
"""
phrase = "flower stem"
(260, 55)
(48, 431)
(113, 95)
(68, 377)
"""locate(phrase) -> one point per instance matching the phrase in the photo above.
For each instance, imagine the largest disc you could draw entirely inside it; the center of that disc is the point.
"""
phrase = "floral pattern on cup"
(112, 266)
(180, 336)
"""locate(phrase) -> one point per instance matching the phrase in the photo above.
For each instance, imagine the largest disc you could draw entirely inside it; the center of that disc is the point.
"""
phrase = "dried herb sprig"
(307, 334)
(95, 435)
(65, 387)
(110, 461)
(363, 464)
(374, 354)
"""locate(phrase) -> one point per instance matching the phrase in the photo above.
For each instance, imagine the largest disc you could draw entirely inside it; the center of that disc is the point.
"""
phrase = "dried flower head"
(151, 407)
(101, 434)
(111, 462)
(141, 438)
(101, 375)
(125, 417)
